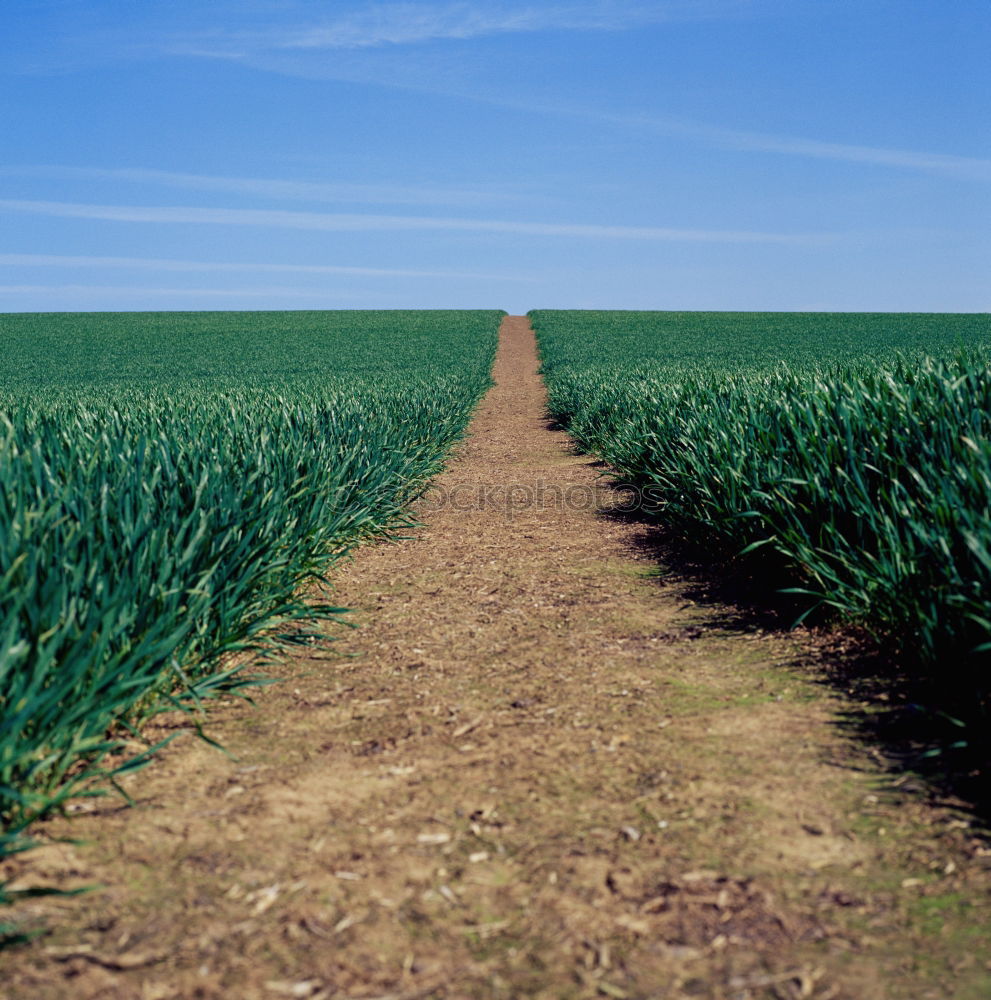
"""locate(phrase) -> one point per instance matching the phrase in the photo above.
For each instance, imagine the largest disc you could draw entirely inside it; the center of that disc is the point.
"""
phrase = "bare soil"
(539, 768)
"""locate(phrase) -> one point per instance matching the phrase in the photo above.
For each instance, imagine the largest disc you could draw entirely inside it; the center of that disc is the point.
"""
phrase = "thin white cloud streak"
(291, 190)
(950, 165)
(247, 33)
(128, 290)
(409, 23)
(394, 24)
(165, 264)
(342, 222)
(945, 164)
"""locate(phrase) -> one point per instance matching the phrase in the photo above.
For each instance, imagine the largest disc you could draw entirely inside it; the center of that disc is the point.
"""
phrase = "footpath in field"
(538, 769)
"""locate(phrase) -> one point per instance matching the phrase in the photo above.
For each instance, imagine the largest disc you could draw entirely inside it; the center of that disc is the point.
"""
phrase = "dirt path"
(537, 770)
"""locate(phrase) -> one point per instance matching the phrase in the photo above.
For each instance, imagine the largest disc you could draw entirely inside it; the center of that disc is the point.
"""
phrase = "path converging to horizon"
(539, 768)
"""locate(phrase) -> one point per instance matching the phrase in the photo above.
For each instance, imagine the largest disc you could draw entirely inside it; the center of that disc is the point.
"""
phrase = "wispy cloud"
(343, 222)
(117, 291)
(943, 164)
(256, 33)
(287, 190)
(233, 267)
(392, 24)
(940, 164)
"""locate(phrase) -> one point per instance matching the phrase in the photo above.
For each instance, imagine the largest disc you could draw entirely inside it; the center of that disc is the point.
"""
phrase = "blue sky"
(675, 154)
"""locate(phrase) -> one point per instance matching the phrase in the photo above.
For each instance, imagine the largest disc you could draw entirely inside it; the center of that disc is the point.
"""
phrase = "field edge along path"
(538, 769)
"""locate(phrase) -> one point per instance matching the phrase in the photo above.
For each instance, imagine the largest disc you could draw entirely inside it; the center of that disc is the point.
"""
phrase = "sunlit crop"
(857, 447)
(169, 483)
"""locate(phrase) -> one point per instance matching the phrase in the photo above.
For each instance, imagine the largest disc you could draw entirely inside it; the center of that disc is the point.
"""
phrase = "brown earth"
(538, 769)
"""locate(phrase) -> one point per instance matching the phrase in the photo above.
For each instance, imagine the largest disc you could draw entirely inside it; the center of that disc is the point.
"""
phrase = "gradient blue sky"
(675, 154)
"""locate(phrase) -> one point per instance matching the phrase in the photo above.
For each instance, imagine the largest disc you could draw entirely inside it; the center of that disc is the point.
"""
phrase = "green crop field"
(170, 481)
(857, 447)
